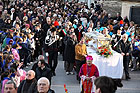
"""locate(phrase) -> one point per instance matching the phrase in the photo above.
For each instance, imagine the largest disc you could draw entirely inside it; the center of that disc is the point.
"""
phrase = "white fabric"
(83, 77)
(111, 66)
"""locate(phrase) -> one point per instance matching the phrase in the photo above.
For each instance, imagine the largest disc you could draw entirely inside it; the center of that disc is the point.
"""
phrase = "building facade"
(131, 9)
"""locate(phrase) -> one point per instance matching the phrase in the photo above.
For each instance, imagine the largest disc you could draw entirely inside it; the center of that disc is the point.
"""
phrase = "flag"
(64, 31)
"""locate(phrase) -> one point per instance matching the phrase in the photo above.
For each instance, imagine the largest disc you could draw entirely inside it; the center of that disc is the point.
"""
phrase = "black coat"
(49, 91)
(69, 53)
(124, 47)
(36, 65)
(77, 33)
(46, 72)
(41, 37)
(26, 84)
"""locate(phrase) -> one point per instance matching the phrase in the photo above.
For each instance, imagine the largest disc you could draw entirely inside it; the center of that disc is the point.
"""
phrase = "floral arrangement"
(104, 51)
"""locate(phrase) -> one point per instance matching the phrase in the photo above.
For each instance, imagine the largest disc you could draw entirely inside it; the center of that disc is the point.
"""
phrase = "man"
(104, 84)
(125, 50)
(39, 38)
(40, 57)
(43, 71)
(80, 55)
(88, 73)
(24, 52)
(10, 87)
(43, 86)
(28, 85)
(78, 32)
(52, 50)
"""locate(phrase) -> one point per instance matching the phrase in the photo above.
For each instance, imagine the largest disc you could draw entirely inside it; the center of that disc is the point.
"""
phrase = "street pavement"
(72, 85)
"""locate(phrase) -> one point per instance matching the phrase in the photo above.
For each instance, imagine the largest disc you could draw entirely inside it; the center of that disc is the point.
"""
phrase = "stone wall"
(126, 7)
(112, 6)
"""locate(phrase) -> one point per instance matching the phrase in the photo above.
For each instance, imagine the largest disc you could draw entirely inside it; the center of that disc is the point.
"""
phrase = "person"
(78, 32)
(5, 76)
(135, 52)
(43, 71)
(39, 38)
(88, 72)
(53, 50)
(70, 53)
(28, 85)
(15, 52)
(40, 57)
(125, 50)
(80, 55)
(10, 87)
(43, 86)
(104, 84)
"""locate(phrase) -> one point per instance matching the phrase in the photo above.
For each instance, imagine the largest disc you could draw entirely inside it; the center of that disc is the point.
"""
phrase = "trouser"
(78, 66)
(126, 65)
(27, 58)
(134, 62)
(38, 51)
(69, 66)
(44, 54)
(53, 55)
(135, 58)
(0, 47)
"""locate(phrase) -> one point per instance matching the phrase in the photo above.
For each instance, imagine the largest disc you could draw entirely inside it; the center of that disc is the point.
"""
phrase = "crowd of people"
(34, 30)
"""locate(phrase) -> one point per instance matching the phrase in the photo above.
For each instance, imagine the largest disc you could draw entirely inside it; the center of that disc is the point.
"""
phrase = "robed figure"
(88, 73)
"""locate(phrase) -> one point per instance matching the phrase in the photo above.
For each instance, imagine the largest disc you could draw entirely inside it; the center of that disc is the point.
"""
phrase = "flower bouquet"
(104, 51)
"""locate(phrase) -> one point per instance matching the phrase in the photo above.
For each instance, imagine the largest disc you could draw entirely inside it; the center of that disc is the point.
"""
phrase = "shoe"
(31, 62)
(67, 73)
(130, 66)
(54, 74)
(133, 69)
(128, 77)
(72, 73)
(120, 84)
(77, 77)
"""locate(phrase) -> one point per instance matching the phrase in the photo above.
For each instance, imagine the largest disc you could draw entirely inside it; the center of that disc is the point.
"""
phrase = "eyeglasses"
(28, 74)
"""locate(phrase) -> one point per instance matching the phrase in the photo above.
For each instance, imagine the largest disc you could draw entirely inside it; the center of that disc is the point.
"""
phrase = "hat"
(12, 9)
(55, 15)
(11, 30)
(53, 29)
(11, 41)
(30, 12)
(56, 23)
(76, 20)
(27, 25)
(89, 57)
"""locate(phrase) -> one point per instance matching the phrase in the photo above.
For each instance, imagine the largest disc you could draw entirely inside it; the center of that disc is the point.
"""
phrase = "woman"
(88, 73)
(15, 52)
(5, 77)
(70, 53)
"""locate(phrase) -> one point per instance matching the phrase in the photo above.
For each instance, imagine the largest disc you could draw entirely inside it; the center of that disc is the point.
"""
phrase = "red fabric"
(79, 36)
(91, 72)
(48, 59)
(121, 22)
(24, 13)
(56, 23)
(87, 85)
